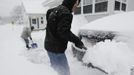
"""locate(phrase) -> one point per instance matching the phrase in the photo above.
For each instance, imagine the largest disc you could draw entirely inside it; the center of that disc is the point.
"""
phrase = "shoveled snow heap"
(115, 57)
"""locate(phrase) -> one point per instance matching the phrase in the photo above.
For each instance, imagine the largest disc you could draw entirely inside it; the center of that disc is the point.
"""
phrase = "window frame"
(86, 6)
(115, 7)
(123, 9)
(34, 21)
(101, 11)
(121, 5)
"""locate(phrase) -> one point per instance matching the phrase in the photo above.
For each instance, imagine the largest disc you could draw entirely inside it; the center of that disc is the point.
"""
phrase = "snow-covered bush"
(97, 36)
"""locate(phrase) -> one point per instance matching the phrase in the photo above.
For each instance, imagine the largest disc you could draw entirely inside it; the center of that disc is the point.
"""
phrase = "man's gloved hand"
(81, 46)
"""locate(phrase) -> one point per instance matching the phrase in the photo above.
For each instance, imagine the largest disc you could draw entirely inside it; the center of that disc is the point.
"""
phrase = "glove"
(81, 46)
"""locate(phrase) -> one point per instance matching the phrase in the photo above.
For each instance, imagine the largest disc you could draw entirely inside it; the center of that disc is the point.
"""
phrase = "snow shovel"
(34, 45)
(81, 50)
(90, 65)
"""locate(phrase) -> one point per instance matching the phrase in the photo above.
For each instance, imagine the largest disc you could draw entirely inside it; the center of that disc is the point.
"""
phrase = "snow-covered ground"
(15, 59)
(115, 57)
(12, 60)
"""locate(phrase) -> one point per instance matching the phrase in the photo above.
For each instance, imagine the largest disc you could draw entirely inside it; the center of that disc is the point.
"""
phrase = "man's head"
(71, 4)
(76, 5)
(32, 28)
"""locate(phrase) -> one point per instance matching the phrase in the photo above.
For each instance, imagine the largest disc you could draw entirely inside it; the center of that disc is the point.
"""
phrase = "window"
(123, 7)
(42, 18)
(101, 7)
(42, 22)
(33, 21)
(117, 5)
(87, 8)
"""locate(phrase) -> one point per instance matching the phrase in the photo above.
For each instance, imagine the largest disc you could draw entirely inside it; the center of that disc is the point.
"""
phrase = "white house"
(34, 13)
(94, 9)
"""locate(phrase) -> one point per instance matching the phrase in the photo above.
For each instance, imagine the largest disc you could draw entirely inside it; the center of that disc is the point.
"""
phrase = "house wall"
(96, 9)
(37, 20)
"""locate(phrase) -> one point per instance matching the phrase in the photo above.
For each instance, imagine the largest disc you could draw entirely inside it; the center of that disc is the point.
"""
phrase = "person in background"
(26, 35)
(58, 34)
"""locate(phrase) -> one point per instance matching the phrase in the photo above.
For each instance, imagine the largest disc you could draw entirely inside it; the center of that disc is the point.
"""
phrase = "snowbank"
(116, 58)
(118, 22)
(78, 21)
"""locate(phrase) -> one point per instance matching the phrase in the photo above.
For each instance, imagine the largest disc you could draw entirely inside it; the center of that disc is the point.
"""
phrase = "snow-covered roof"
(52, 3)
(117, 22)
(34, 6)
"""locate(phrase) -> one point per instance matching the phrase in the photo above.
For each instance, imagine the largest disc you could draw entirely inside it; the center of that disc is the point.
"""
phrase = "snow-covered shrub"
(97, 36)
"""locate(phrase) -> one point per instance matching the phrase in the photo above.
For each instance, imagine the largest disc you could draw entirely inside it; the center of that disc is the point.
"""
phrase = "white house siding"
(96, 9)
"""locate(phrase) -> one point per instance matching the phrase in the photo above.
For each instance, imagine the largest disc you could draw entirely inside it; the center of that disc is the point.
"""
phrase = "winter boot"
(27, 46)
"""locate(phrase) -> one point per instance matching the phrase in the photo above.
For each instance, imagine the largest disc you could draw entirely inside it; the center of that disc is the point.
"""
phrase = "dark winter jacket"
(58, 32)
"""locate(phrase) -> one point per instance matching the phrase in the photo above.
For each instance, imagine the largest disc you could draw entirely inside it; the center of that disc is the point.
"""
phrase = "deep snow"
(115, 57)
(15, 59)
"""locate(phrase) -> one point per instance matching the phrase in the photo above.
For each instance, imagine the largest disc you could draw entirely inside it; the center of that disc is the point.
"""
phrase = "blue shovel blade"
(34, 45)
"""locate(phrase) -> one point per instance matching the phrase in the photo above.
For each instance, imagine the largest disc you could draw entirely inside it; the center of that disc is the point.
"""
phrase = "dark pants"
(26, 42)
(59, 63)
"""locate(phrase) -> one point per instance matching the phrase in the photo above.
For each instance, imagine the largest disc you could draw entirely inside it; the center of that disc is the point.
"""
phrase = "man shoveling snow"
(26, 33)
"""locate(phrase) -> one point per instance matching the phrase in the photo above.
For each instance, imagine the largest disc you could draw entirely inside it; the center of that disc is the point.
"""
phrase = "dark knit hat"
(69, 4)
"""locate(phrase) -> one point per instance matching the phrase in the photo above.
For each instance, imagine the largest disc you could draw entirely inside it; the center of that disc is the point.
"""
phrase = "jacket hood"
(69, 4)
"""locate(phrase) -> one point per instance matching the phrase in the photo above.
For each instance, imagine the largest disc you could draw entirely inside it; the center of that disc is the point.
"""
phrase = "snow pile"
(15, 59)
(116, 58)
(37, 56)
(78, 21)
(118, 22)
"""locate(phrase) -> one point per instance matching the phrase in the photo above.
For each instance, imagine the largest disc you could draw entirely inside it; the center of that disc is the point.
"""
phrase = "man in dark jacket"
(58, 34)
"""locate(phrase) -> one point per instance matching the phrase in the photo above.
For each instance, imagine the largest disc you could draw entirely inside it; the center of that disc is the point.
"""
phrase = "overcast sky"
(7, 5)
